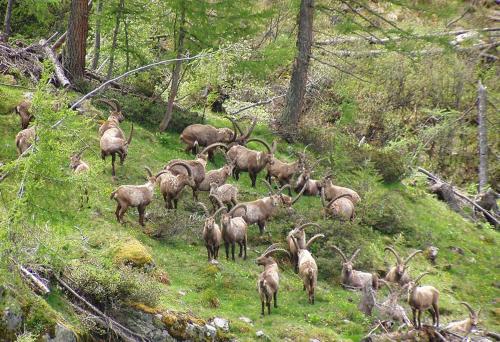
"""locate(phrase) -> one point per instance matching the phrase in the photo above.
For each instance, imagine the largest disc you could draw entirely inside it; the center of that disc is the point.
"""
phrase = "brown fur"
(353, 278)
(171, 185)
(24, 139)
(23, 110)
(421, 298)
(234, 230)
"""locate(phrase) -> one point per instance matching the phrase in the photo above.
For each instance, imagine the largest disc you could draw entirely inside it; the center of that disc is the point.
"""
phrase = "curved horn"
(268, 186)
(299, 194)
(117, 104)
(79, 153)
(235, 125)
(235, 129)
(340, 252)
(185, 165)
(412, 255)
(219, 202)
(421, 276)
(271, 247)
(294, 240)
(393, 252)
(161, 172)
(275, 250)
(354, 254)
(109, 103)
(205, 209)
(148, 170)
(262, 142)
(219, 210)
(336, 198)
(314, 238)
(251, 128)
(212, 146)
(130, 136)
(305, 148)
(469, 307)
(316, 163)
(386, 284)
(237, 206)
(301, 227)
(286, 186)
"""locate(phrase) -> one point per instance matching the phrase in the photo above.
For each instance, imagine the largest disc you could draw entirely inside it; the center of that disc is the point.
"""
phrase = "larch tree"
(8, 15)
(97, 41)
(76, 41)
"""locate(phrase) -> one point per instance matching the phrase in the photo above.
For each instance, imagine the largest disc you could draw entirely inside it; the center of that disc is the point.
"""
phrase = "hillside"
(84, 242)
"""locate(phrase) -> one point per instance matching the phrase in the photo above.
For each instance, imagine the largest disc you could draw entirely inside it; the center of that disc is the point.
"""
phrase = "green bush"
(391, 162)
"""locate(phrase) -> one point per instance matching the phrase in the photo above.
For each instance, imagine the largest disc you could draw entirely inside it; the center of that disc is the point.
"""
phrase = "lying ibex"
(138, 196)
(312, 186)
(224, 195)
(421, 298)
(171, 185)
(398, 273)
(205, 135)
(197, 166)
(211, 233)
(464, 327)
(340, 207)
(431, 254)
(249, 160)
(114, 119)
(111, 145)
(261, 210)
(308, 270)
(300, 237)
(77, 164)
(23, 110)
(283, 172)
(352, 278)
(269, 279)
(333, 191)
(24, 139)
(234, 230)
(218, 176)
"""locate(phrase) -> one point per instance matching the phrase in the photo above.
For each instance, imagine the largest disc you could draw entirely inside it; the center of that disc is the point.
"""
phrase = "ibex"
(138, 196)
(218, 176)
(312, 186)
(211, 233)
(198, 167)
(114, 119)
(261, 210)
(111, 145)
(23, 110)
(464, 327)
(171, 185)
(421, 298)
(77, 164)
(300, 237)
(269, 279)
(353, 278)
(205, 135)
(340, 207)
(234, 230)
(24, 139)
(308, 270)
(249, 160)
(333, 191)
(283, 172)
(224, 195)
(398, 273)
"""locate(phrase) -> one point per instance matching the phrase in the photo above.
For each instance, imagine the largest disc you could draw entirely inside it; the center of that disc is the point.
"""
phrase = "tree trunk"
(76, 43)
(174, 87)
(127, 52)
(483, 140)
(97, 42)
(298, 82)
(8, 14)
(115, 38)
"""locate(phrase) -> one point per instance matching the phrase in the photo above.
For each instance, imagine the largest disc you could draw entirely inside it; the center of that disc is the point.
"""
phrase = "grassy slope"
(334, 317)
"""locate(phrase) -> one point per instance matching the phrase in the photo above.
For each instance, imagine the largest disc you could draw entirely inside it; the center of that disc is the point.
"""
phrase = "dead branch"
(260, 103)
(58, 69)
(34, 280)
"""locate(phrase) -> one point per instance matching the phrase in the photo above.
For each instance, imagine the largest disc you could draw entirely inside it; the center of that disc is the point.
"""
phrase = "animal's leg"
(253, 178)
(262, 309)
(236, 174)
(122, 157)
(419, 314)
(232, 249)
(117, 212)
(226, 245)
(433, 316)
(413, 311)
(176, 200)
(245, 248)
(216, 252)
(208, 252)
(123, 209)
(275, 295)
(268, 307)
(241, 249)
(262, 227)
(141, 210)
(436, 311)
(113, 157)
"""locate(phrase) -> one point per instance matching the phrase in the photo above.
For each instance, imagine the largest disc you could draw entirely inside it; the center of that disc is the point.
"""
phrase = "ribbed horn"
(299, 194)
(310, 224)
(237, 206)
(130, 136)
(276, 250)
(340, 252)
(355, 254)
(185, 165)
(250, 128)
(421, 276)
(412, 255)
(204, 207)
(263, 143)
(148, 170)
(395, 254)
(109, 103)
(212, 146)
(468, 307)
(219, 210)
(336, 198)
(117, 104)
(268, 186)
(314, 238)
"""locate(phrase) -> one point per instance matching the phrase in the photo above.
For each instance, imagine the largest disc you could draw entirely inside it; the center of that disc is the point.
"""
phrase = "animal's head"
(266, 257)
(115, 111)
(347, 264)
(473, 315)
(432, 252)
(266, 156)
(278, 198)
(213, 187)
(413, 284)
(151, 178)
(401, 265)
(210, 220)
(229, 167)
(75, 160)
(227, 134)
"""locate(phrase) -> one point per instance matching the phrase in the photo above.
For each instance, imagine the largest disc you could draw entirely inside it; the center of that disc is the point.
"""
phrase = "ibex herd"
(236, 217)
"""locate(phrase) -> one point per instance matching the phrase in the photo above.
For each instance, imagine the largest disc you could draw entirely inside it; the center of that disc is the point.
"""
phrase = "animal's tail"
(310, 277)
(130, 136)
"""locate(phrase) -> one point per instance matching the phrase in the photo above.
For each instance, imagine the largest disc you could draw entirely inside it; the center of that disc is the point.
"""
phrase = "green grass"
(229, 290)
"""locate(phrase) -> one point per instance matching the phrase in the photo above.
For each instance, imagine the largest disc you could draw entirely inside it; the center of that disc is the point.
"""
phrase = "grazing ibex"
(353, 278)
(312, 186)
(300, 237)
(465, 326)
(138, 196)
(340, 207)
(421, 298)
(114, 119)
(23, 110)
(249, 160)
(198, 167)
(205, 135)
(398, 273)
(261, 210)
(211, 233)
(333, 191)
(77, 164)
(171, 185)
(234, 230)
(269, 279)
(224, 195)
(308, 270)
(24, 139)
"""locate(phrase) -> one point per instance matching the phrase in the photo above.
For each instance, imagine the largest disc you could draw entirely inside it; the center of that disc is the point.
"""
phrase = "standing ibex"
(171, 185)
(398, 273)
(205, 135)
(24, 139)
(333, 191)
(23, 110)
(269, 279)
(283, 172)
(340, 207)
(353, 278)
(308, 270)
(198, 167)
(234, 230)
(422, 298)
(138, 196)
(300, 237)
(249, 160)
(211, 233)
(218, 176)
(467, 325)
(111, 144)
(261, 210)
(114, 119)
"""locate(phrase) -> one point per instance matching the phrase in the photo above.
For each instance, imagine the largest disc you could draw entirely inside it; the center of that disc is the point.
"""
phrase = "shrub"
(391, 161)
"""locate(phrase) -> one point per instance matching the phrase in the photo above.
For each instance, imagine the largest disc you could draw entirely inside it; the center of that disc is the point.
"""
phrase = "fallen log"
(34, 280)
(58, 69)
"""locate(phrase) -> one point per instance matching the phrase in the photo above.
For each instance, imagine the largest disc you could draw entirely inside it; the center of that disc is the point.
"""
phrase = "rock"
(314, 340)
(61, 334)
(221, 323)
(211, 331)
(182, 293)
(457, 250)
(260, 333)
(12, 320)
(214, 262)
(245, 319)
